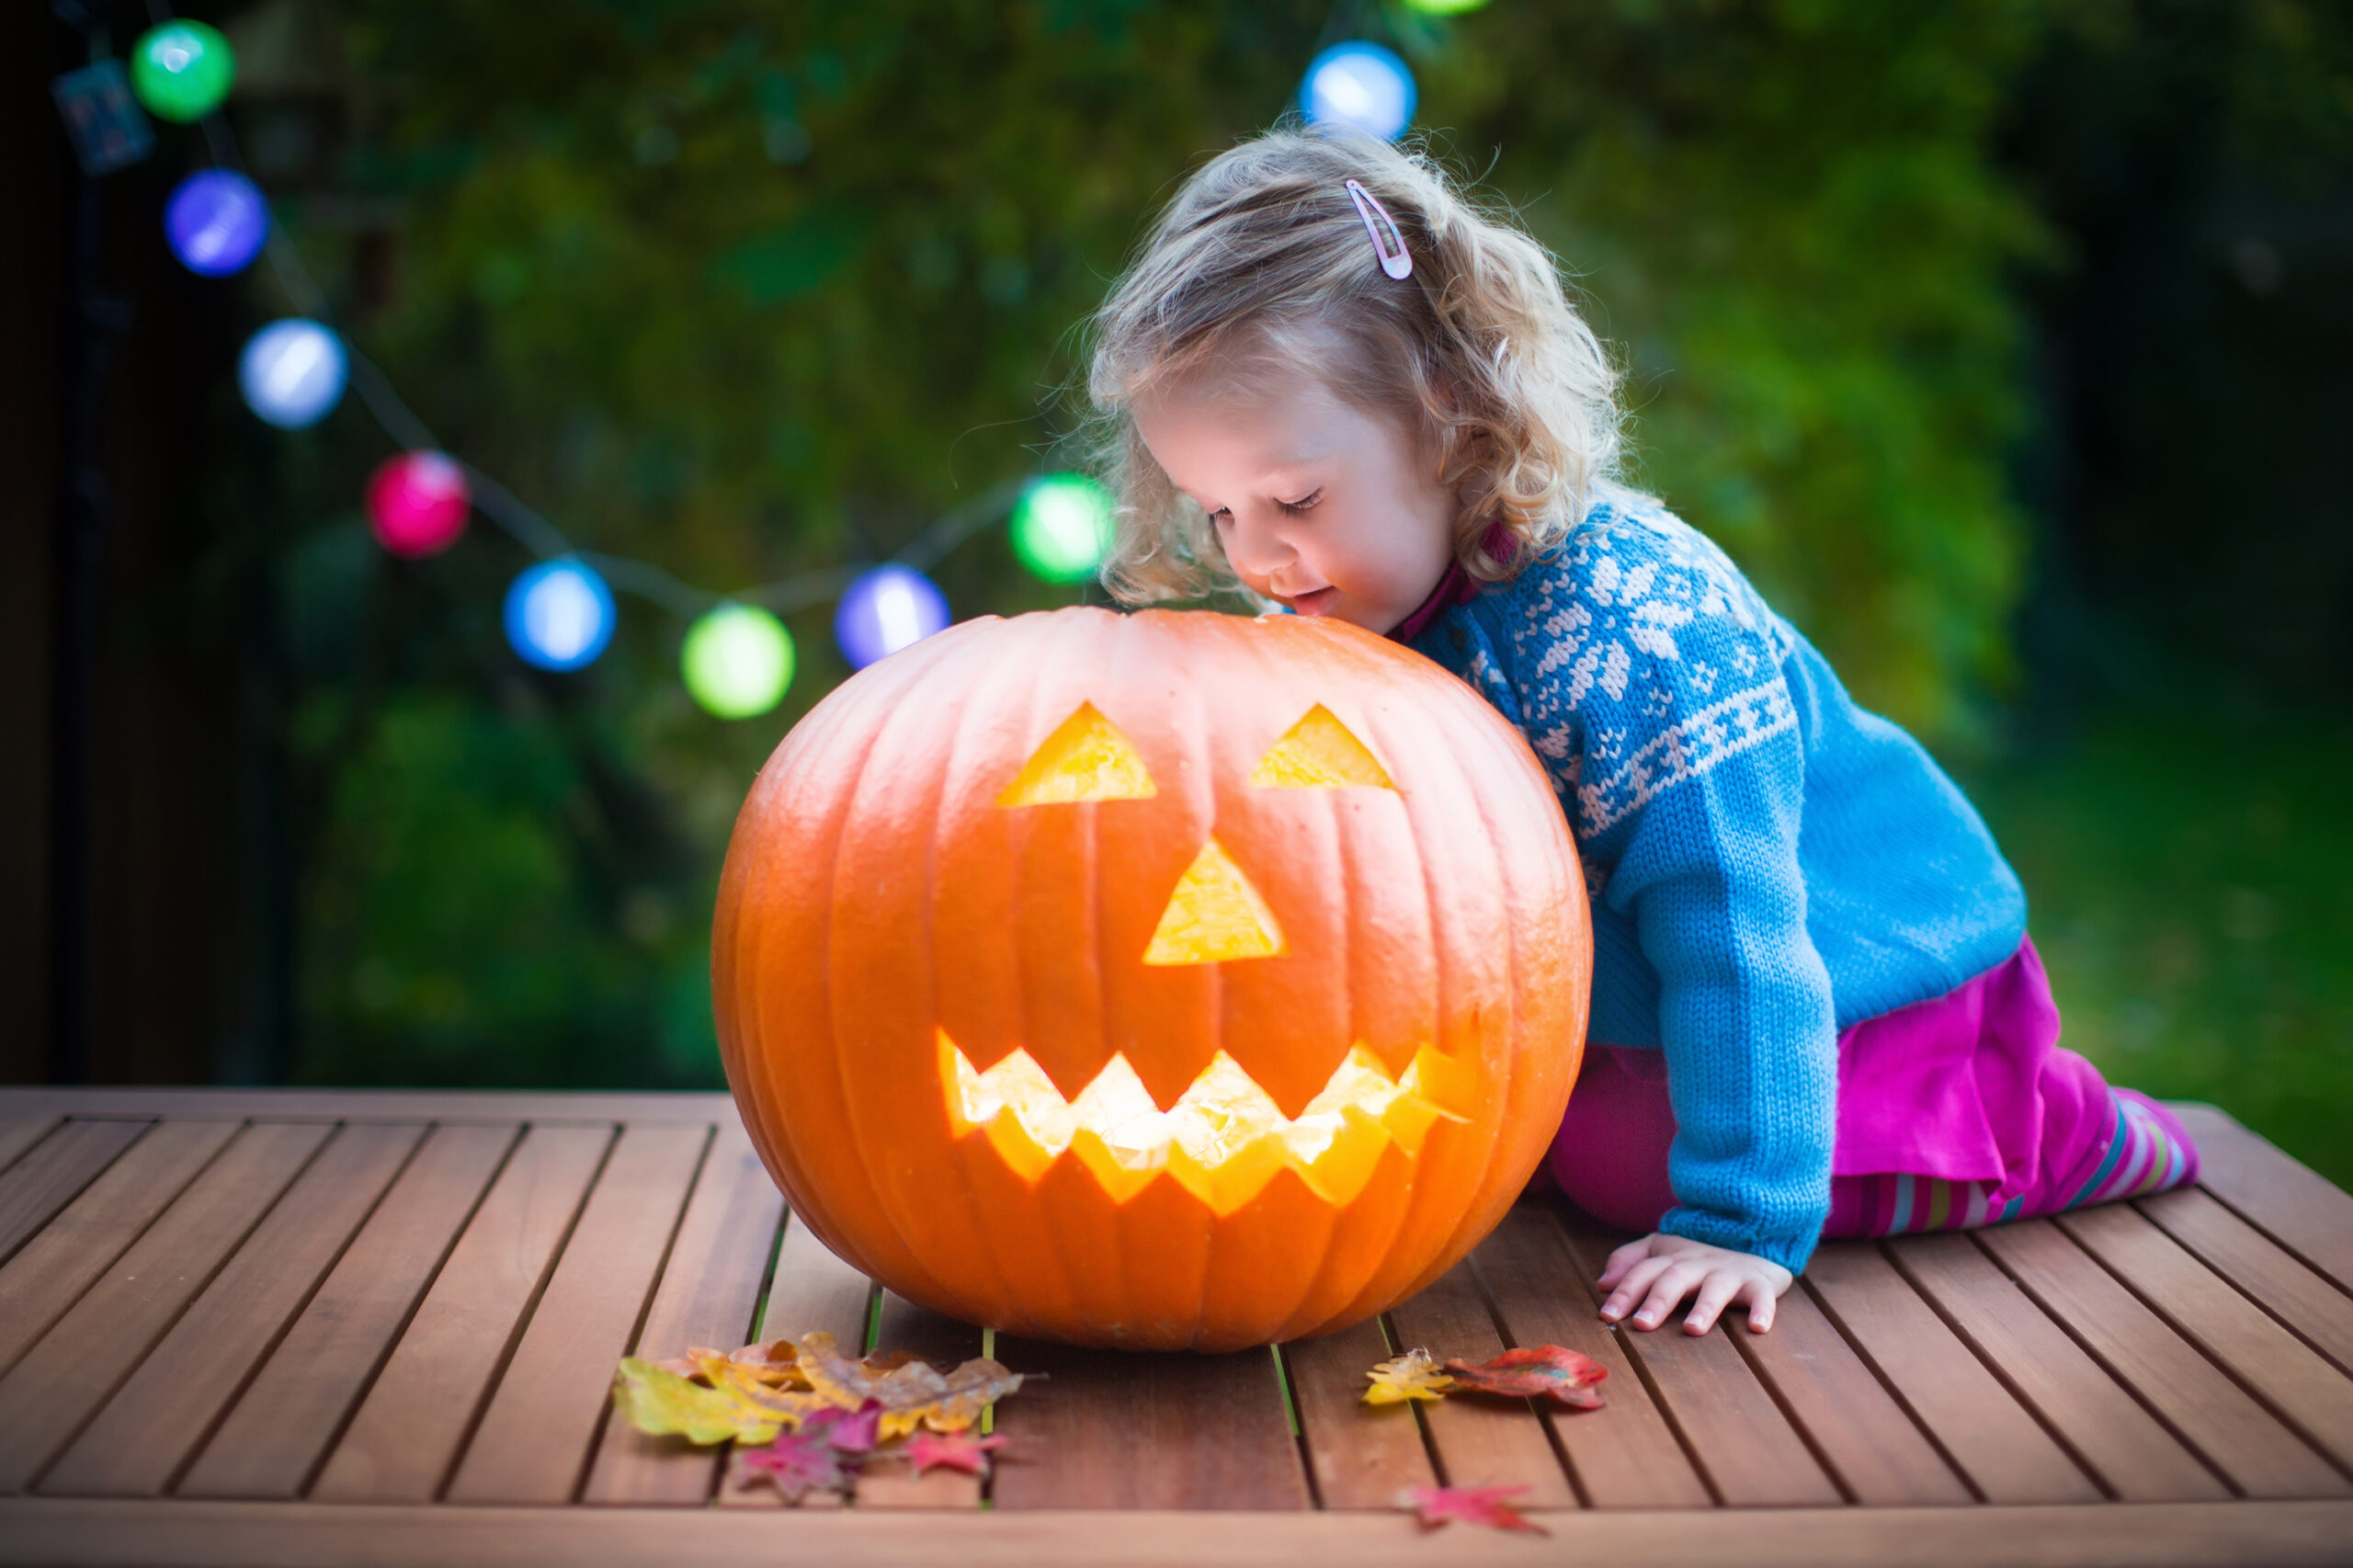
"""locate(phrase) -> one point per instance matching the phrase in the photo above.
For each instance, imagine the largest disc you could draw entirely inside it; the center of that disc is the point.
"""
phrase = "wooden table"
(379, 1328)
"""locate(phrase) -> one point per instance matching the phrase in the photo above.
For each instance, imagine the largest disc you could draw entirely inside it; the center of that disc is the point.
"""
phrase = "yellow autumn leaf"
(1415, 1375)
(658, 1400)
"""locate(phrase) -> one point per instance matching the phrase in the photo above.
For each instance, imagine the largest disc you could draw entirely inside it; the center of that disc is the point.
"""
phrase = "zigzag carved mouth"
(1223, 1140)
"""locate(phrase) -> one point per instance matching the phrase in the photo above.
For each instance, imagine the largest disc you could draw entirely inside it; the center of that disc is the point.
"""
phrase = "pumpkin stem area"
(1224, 1138)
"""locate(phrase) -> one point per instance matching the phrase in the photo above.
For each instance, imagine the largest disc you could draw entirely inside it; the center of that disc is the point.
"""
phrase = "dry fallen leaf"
(655, 1400)
(1412, 1375)
(911, 1394)
(1487, 1505)
(849, 1431)
(799, 1463)
(953, 1450)
(772, 1364)
(1543, 1371)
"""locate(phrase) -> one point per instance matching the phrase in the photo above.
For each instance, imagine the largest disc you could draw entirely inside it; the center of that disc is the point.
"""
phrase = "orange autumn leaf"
(1543, 1371)
(773, 1365)
(1486, 1505)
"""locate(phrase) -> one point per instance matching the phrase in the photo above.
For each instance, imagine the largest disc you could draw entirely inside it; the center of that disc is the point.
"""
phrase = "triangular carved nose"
(1214, 915)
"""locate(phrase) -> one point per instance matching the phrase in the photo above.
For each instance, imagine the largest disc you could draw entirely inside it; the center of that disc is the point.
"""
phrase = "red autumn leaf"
(849, 1431)
(798, 1463)
(1543, 1371)
(1486, 1506)
(954, 1451)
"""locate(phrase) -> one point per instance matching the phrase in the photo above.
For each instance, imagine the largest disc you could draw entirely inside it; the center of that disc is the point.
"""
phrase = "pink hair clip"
(1396, 263)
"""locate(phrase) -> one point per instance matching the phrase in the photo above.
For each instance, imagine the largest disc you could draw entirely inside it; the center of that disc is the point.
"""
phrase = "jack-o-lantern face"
(1156, 980)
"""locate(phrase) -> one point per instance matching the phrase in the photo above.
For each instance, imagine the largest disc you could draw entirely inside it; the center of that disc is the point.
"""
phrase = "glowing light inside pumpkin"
(1087, 758)
(1319, 753)
(1213, 915)
(1223, 1139)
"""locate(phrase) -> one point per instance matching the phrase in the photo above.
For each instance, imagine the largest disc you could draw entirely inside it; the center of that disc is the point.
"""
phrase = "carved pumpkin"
(1153, 981)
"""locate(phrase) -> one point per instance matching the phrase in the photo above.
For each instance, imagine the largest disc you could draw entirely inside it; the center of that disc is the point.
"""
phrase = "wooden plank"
(1744, 1443)
(1112, 1429)
(708, 1295)
(2000, 1448)
(75, 1534)
(51, 1271)
(944, 1342)
(813, 1291)
(158, 1417)
(52, 1174)
(75, 1366)
(2130, 1452)
(409, 1430)
(541, 1427)
(277, 1435)
(1479, 1440)
(19, 1133)
(1625, 1455)
(439, 1106)
(2284, 1371)
(1874, 1449)
(2259, 1266)
(2256, 1453)
(2288, 1200)
(1361, 1456)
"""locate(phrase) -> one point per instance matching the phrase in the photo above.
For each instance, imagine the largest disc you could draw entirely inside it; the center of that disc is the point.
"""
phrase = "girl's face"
(1332, 510)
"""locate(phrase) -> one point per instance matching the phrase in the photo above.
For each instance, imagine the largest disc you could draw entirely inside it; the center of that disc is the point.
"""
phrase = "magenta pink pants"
(1960, 1111)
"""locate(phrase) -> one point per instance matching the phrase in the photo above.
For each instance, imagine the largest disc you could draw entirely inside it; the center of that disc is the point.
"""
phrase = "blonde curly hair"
(1262, 260)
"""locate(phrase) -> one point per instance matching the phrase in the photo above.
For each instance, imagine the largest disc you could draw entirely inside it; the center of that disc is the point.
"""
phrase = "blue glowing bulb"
(560, 615)
(887, 609)
(292, 372)
(216, 223)
(1360, 85)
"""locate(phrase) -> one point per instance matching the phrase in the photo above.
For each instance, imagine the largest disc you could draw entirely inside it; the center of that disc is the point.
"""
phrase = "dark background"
(2006, 345)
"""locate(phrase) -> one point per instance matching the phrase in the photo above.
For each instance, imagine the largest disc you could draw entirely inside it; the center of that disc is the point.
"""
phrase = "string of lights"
(737, 659)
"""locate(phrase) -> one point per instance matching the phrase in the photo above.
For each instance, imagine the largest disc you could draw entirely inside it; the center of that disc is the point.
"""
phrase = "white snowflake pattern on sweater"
(1647, 618)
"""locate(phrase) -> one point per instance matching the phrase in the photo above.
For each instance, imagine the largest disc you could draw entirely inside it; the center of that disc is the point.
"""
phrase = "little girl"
(1815, 1010)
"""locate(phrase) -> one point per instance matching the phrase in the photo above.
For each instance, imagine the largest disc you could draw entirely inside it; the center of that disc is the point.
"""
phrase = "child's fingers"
(1716, 1292)
(1678, 1280)
(1629, 1289)
(1762, 1300)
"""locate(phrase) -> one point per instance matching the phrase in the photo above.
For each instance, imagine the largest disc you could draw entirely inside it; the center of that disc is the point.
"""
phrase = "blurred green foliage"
(2194, 918)
(749, 291)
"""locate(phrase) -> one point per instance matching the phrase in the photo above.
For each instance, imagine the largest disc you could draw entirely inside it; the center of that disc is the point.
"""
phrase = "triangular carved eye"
(1213, 915)
(1085, 759)
(1318, 752)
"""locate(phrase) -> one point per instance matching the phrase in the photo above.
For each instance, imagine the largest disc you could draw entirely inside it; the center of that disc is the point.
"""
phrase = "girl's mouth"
(1319, 602)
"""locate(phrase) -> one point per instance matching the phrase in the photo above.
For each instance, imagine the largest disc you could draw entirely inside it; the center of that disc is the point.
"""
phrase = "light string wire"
(523, 523)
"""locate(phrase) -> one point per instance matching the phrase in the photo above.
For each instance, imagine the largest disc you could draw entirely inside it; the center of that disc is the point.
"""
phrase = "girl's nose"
(1254, 548)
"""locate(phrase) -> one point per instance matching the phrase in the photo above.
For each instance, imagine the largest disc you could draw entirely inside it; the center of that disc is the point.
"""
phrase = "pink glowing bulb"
(417, 504)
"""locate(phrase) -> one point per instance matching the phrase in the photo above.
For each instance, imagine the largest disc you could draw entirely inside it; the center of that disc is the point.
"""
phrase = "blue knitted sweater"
(1767, 863)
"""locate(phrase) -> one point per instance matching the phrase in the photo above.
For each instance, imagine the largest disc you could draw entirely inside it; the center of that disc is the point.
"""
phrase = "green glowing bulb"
(737, 661)
(182, 70)
(1061, 528)
(1443, 7)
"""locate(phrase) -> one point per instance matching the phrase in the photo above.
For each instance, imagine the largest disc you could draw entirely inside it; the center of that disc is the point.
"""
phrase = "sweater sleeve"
(1650, 680)
(1709, 875)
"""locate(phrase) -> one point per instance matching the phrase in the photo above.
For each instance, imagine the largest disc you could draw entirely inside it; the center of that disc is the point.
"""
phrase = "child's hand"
(1669, 1268)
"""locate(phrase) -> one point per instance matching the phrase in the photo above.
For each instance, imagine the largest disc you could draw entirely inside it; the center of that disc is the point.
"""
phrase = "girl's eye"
(1224, 515)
